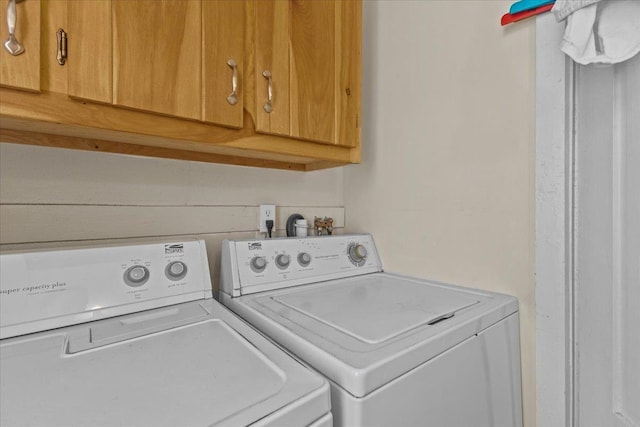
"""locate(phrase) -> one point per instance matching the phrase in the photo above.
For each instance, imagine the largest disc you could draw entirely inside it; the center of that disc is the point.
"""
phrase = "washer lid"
(365, 331)
(201, 374)
(373, 311)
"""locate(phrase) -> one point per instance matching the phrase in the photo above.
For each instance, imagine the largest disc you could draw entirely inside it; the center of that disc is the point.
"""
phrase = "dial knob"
(136, 275)
(176, 270)
(304, 259)
(357, 254)
(258, 264)
(282, 261)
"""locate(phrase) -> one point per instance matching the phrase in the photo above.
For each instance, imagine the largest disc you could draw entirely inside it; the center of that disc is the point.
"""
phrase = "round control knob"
(136, 275)
(282, 261)
(304, 259)
(176, 270)
(258, 264)
(357, 254)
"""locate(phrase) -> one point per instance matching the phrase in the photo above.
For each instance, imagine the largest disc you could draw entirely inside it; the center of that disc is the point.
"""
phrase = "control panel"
(255, 265)
(41, 289)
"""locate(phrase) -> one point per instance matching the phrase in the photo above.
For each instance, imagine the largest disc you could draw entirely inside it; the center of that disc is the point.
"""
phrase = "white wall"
(446, 184)
(57, 195)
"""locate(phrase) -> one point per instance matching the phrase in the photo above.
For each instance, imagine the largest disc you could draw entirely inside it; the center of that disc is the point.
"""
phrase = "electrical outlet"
(266, 212)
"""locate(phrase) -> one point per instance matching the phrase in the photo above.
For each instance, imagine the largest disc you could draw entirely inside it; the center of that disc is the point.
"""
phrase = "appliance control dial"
(258, 264)
(357, 254)
(282, 261)
(136, 275)
(176, 270)
(304, 259)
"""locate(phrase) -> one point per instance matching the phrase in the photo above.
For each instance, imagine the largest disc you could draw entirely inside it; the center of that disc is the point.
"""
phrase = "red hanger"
(508, 18)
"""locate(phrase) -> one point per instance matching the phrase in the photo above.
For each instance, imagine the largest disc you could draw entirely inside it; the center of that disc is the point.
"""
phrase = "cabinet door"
(157, 56)
(312, 50)
(313, 70)
(223, 46)
(150, 55)
(22, 71)
(90, 66)
(272, 55)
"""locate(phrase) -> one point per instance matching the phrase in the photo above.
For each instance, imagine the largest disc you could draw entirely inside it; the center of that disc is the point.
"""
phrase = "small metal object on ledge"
(320, 224)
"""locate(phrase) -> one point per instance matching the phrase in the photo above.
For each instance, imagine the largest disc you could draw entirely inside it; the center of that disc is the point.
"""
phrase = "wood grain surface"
(222, 39)
(157, 56)
(22, 71)
(313, 70)
(272, 22)
(149, 73)
(90, 62)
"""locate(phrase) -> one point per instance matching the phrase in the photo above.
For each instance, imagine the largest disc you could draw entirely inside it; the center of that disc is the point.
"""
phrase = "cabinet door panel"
(349, 87)
(53, 76)
(313, 69)
(223, 39)
(313, 50)
(22, 71)
(272, 53)
(157, 56)
(91, 64)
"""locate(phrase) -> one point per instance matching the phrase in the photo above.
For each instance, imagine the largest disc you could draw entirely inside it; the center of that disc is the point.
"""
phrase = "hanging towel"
(597, 31)
(563, 8)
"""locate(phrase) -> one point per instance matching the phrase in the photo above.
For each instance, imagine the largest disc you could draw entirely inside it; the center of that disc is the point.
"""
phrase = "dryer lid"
(375, 310)
(364, 331)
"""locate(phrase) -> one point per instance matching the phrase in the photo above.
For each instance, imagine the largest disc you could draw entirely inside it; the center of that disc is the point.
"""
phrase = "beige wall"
(446, 184)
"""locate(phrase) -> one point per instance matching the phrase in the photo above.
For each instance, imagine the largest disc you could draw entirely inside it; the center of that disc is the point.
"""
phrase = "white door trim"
(554, 226)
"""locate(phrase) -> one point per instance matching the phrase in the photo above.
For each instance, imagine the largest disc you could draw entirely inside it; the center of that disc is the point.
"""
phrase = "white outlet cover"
(266, 212)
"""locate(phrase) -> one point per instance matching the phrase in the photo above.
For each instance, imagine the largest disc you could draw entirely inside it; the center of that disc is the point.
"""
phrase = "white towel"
(597, 31)
(563, 8)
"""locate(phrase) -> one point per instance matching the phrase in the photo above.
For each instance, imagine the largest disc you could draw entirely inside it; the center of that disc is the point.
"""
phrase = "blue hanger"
(523, 5)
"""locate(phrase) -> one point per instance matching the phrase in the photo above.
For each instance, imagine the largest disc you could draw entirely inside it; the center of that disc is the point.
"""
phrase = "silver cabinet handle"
(267, 107)
(12, 45)
(233, 97)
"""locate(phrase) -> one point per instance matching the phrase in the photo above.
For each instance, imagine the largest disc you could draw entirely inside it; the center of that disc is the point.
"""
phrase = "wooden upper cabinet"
(186, 79)
(22, 71)
(185, 57)
(312, 50)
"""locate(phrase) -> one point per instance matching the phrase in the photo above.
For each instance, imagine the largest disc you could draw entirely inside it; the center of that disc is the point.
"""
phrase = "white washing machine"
(130, 336)
(398, 351)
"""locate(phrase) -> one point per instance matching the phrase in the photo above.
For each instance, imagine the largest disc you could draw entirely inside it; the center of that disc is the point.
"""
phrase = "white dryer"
(398, 351)
(129, 335)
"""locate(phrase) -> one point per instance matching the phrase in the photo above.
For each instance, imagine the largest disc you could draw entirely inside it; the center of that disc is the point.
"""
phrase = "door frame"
(555, 227)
